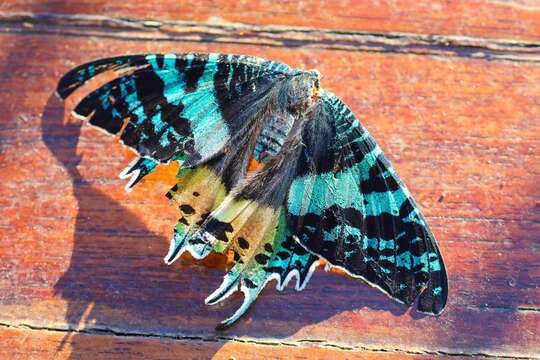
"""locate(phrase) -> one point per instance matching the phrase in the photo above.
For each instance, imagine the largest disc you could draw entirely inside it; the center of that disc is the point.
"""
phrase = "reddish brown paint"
(76, 250)
(513, 20)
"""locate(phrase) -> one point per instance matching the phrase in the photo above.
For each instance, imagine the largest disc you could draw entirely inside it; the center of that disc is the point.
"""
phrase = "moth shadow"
(117, 276)
(116, 279)
(281, 314)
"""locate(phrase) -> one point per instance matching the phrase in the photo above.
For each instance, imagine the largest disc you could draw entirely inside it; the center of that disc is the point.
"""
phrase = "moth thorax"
(302, 92)
(272, 136)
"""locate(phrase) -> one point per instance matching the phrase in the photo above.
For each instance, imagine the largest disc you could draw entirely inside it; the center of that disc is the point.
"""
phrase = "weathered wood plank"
(79, 252)
(130, 29)
(516, 19)
(31, 344)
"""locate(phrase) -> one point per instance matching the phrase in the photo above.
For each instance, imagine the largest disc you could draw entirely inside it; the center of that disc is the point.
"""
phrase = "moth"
(273, 169)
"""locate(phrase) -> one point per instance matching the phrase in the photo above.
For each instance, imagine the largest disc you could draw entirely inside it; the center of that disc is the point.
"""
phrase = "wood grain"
(81, 260)
(32, 344)
(78, 252)
(132, 29)
(514, 19)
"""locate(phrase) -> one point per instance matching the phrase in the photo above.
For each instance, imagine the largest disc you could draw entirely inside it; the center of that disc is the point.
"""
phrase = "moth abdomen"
(274, 132)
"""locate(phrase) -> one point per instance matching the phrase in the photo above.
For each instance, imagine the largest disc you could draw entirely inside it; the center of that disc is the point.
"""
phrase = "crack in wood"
(506, 309)
(492, 220)
(268, 35)
(258, 342)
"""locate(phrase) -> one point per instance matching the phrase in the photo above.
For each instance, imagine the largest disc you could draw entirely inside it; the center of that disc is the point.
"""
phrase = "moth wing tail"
(263, 251)
(197, 193)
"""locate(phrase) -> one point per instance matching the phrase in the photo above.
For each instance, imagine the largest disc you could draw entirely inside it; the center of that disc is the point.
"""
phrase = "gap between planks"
(218, 31)
(107, 331)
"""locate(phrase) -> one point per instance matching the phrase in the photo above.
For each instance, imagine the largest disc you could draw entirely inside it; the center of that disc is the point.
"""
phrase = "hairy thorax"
(296, 96)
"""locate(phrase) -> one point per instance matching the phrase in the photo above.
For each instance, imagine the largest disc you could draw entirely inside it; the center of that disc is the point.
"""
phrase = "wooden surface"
(81, 270)
(499, 19)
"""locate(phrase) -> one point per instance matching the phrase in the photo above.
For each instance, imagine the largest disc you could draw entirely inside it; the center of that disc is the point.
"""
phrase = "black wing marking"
(348, 205)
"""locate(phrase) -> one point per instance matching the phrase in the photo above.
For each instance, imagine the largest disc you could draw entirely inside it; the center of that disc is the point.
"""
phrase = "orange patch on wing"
(164, 174)
(254, 165)
(335, 270)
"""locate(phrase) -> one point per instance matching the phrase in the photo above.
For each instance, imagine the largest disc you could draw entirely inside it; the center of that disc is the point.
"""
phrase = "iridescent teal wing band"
(178, 106)
(348, 205)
